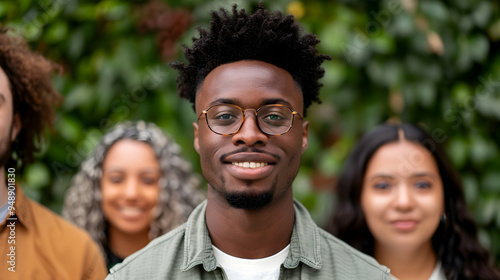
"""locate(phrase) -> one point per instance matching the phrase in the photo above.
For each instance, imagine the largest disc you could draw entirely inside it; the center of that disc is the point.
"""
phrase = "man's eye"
(224, 117)
(273, 117)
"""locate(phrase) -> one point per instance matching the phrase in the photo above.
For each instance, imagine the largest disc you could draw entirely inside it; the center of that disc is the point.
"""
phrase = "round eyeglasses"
(274, 119)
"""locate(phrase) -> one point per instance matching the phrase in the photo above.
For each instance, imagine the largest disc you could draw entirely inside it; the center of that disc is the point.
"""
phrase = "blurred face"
(129, 186)
(9, 124)
(250, 169)
(402, 196)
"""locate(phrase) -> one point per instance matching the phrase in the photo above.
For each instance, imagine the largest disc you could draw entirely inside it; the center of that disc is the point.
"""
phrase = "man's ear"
(305, 134)
(196, 142)
(16, 127)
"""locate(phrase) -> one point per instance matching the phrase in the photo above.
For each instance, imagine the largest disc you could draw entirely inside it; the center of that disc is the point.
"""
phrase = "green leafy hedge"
(427, 62)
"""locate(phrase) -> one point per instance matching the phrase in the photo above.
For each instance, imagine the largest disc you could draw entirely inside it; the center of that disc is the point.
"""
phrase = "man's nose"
(250, 133)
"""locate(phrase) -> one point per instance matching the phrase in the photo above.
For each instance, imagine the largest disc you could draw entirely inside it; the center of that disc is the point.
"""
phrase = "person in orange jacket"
(35, 243)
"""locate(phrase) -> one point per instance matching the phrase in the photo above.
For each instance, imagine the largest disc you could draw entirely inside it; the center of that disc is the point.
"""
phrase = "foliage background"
(431, 62)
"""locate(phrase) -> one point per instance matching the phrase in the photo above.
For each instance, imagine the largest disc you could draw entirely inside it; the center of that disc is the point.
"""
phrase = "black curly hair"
(271, 38)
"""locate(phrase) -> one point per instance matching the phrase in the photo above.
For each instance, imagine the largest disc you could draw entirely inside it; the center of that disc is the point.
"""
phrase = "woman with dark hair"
(134, 187)
(401, 201)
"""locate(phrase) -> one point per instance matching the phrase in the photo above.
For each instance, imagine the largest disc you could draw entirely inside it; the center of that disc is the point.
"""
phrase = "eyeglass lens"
(273, 119)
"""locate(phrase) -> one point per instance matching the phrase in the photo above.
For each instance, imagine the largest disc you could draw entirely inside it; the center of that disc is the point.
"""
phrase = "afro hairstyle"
(271, 38)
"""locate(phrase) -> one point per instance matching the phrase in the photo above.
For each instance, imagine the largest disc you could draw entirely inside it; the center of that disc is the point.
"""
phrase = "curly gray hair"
(179, 187)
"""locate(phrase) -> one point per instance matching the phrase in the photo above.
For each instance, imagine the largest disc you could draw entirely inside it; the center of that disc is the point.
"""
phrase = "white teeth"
(248, 164)
(131, 210)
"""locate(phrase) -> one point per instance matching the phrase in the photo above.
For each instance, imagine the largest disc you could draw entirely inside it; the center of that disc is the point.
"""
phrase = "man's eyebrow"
(231, 101)
(223, 101)
(277, 101)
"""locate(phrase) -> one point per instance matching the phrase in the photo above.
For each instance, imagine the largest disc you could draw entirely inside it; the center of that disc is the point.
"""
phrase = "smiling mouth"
(250, 164)
(131, 211)
(405, 225)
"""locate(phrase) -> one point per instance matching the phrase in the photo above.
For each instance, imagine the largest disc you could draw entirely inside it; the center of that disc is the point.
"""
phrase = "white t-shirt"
(249, 269)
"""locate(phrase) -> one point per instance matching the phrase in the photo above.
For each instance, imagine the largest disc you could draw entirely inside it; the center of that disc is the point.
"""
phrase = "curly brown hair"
(33, 95)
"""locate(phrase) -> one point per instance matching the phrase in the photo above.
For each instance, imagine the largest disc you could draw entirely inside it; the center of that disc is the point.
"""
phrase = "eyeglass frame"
(204, 112)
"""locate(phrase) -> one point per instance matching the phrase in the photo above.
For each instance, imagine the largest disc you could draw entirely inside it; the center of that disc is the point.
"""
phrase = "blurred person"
(133, 187)
(401, 201)
(35, 243)
(250, 79)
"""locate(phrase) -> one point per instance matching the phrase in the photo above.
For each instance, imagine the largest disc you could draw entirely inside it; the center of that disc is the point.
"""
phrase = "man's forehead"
(248, 73)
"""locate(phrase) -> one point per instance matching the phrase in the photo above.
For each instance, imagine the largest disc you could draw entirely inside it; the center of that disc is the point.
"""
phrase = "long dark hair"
(455, 241)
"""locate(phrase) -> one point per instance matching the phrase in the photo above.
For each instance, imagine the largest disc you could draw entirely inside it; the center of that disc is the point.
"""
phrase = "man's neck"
(250, 234)
(3, 187)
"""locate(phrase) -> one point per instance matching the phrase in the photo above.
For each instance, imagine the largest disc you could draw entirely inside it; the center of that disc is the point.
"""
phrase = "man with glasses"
(250, 79)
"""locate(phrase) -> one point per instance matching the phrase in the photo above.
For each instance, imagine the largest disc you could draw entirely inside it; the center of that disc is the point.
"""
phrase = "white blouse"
(438, 273)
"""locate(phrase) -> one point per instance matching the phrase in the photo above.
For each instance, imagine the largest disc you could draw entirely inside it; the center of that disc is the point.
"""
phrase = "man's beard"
(248, 200)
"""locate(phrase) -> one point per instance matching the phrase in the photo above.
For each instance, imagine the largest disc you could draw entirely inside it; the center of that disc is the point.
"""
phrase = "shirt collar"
(304, 243)
(197, 242)
(23, 212)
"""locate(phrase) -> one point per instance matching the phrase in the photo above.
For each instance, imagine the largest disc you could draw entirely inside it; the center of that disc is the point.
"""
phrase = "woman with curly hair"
(401, 201)
(135, 186)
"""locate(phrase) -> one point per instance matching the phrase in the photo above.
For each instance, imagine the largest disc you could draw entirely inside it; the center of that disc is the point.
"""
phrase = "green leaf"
(69, 128)
(491, 182)
(426, 93)
(3, 9)
(487, 210)
(76, 43)
(457, 150)
(481, 149)
(461, 93)
(383, 44)
(470, 189)
(435, 10)
(79, 95)
(387, 73)
(334, 73)
(403, 25)
(479, 47)
(482, 13)
(37, 176)
(112, 10)
(56, 32)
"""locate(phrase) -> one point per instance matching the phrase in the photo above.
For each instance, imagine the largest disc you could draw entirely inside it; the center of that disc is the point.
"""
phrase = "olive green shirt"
(186, 253)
